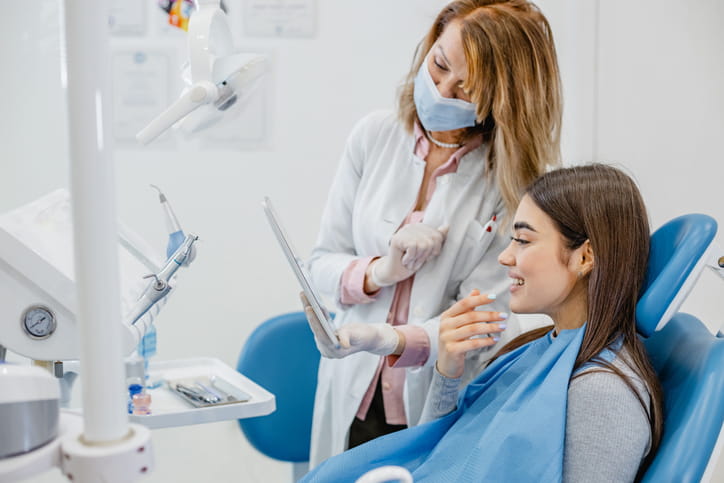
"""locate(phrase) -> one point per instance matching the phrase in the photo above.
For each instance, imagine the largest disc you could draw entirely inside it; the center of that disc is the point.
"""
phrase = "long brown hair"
(602, 204)
(513, 79)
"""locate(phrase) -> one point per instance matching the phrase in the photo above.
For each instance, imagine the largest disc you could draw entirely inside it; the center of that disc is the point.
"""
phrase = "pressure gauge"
(38, 322)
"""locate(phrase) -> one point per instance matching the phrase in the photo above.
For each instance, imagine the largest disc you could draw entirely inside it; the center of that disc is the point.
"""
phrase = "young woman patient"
(578, 401)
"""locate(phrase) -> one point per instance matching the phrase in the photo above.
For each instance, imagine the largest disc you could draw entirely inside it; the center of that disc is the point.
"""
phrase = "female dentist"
(411, 221)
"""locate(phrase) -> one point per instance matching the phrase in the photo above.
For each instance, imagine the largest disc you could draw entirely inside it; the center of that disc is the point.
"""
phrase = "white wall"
(657, 83)
(661, 113)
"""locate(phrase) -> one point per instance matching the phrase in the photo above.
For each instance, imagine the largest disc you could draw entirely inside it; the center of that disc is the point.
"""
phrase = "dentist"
(412, 219)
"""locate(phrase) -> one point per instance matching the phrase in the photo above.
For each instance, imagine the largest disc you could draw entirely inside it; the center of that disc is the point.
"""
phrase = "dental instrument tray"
(207, 391)
(208, 379)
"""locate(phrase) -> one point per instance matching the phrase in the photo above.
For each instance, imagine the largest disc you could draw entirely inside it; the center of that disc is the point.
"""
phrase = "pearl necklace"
(442, 144)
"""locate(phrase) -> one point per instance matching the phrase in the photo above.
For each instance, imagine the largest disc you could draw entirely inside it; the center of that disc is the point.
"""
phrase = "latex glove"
(462, 329)
(321, 339)
(410, 248)
(380, 339)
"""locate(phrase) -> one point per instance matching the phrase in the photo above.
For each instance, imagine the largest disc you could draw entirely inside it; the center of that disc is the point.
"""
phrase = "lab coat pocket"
(475, 244)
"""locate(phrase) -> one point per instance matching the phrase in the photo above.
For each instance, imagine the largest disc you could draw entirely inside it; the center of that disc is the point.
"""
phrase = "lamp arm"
(201, 93)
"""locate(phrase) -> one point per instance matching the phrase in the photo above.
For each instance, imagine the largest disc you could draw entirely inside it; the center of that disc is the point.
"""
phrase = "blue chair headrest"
(281, 356)
(676, 259)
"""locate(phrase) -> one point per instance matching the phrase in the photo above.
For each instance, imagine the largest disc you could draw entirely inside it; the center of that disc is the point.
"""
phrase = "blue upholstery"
(675, 262)
(281, 356)
(688, 359)
(690, 363)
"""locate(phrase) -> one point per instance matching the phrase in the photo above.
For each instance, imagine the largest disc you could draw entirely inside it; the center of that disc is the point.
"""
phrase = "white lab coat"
(375, 188)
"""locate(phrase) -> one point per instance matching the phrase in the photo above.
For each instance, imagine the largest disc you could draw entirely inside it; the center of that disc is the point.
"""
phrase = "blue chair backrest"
(676, 259)
(281, 356)
(689, 361)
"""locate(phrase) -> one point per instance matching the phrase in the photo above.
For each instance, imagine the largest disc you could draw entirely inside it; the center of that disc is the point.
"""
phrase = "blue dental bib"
(509, 426)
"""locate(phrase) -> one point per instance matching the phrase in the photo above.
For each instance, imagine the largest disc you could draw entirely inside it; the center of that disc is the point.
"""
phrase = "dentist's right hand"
(410, 248)
(379, 339)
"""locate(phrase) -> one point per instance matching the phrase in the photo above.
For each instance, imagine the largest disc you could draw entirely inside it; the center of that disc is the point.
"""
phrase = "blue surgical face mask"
(438, 113)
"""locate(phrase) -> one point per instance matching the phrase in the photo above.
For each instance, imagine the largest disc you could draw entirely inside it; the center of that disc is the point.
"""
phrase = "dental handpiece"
(154, 292)
(159, 287)
(175, 233)
(178, 258)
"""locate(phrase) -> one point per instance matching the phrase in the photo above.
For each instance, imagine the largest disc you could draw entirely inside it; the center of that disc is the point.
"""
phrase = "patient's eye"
(519, 241)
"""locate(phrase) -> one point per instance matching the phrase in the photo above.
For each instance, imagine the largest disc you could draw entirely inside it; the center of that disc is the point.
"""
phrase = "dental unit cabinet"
(38, 320)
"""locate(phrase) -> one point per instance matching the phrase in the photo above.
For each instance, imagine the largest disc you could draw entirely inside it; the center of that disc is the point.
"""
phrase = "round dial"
(38, 322)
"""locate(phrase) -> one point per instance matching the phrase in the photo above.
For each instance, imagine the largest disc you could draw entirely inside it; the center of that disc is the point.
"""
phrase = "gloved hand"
(321, 339)
(380, 339)
(410, 248)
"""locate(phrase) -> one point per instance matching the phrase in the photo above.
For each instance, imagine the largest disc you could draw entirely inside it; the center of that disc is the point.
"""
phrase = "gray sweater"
(607, 431)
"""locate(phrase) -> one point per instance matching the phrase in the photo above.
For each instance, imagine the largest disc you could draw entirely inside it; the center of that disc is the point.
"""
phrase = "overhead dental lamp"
(219, 77)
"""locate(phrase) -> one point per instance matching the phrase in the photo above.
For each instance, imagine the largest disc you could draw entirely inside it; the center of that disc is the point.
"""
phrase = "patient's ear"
(583, 259)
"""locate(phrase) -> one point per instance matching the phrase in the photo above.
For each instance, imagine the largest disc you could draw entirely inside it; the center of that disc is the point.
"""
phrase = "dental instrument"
(196, 394)
(147, 347)
(160, 286)
(203, 392)
(156, 290)
(175, 233)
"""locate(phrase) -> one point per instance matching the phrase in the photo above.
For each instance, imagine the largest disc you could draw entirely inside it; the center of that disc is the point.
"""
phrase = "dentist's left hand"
(412, 246)
(379, 339)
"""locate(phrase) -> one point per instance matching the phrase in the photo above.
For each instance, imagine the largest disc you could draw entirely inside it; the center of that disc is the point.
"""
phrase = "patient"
(578, 401)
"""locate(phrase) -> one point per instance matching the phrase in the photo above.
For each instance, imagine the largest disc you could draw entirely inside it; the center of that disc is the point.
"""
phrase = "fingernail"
(492, 296)
(503, 315)
(496, 338)
(502, 326)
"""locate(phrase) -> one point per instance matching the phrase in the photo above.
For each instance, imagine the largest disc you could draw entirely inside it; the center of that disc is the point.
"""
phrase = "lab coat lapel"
(404, 195)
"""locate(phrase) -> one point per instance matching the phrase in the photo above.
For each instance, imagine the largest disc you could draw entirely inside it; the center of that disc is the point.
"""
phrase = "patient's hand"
(462, 329)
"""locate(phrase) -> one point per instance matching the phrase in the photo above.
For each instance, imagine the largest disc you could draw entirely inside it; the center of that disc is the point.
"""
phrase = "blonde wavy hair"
(513, 78)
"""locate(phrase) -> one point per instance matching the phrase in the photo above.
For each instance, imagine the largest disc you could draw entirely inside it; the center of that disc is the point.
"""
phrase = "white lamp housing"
(220, 77)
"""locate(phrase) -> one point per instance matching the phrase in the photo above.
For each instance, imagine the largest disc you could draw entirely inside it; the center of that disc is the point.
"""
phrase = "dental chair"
(688, 359)
(281, 356)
